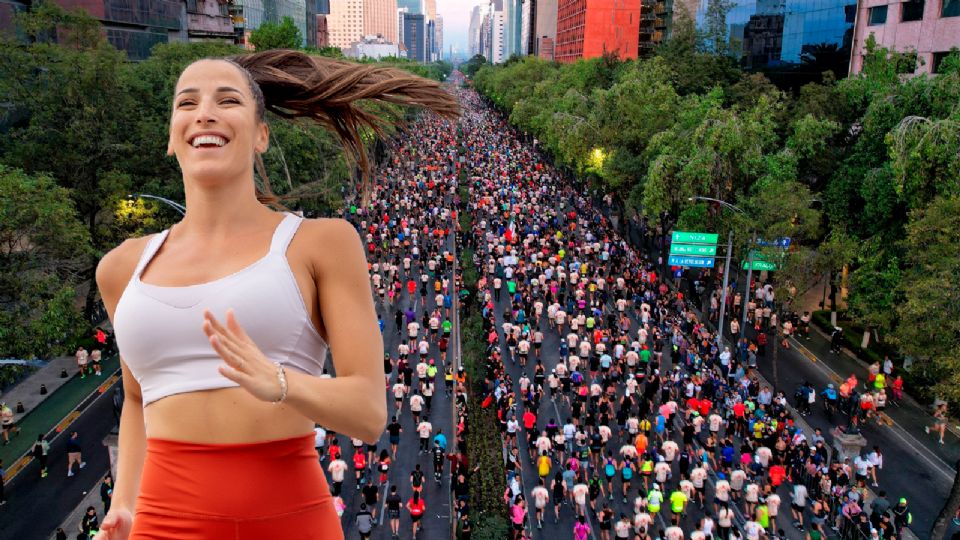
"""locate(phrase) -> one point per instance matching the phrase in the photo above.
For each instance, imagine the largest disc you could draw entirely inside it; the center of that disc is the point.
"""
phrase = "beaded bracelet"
(282, 377)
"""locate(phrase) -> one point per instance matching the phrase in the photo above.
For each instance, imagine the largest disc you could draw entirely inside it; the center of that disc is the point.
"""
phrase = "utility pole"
(746, 296)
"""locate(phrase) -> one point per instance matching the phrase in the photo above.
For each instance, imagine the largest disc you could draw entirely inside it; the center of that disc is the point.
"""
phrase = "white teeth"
(209, 139)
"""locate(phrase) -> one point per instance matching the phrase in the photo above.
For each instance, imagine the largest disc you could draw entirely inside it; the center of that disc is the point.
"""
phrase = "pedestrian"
(82, 359)
(74, 453)
(90, 524)
(7, 422)
(106, 492)
(3, 475)
(41, 450)
(939, 421)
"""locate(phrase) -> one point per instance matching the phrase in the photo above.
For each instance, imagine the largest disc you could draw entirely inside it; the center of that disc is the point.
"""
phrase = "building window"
(938, 58)
(911, 11)
(951, 8)
(192, 6)
(878, 16)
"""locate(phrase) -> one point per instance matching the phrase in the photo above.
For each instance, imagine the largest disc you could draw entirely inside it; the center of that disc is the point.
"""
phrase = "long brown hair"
(293, 84)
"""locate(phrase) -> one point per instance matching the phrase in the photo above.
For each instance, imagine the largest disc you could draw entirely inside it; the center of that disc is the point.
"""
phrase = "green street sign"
(683, 237)
(760, 265)
(705, 250)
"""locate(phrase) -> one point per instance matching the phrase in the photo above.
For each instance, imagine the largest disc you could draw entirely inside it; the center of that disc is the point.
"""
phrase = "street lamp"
(175, 205)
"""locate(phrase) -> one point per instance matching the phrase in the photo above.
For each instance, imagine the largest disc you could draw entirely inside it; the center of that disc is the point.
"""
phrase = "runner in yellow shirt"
(678, 500)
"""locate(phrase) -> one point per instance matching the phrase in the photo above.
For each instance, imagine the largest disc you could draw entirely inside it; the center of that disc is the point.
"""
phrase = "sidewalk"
(53, 411)
(71, 525)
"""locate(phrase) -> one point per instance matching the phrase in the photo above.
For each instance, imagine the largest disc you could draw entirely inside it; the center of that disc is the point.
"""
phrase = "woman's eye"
(184, 102)
(230, 100)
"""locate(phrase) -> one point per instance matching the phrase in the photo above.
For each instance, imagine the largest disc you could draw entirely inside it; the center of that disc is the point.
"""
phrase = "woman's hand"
(245, 365)
(116, 525)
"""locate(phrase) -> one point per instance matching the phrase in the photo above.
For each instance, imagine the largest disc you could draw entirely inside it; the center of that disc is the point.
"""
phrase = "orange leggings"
(253, 491)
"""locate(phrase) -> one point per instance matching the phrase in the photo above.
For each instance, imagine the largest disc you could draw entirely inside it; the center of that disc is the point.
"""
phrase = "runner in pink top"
(581, 531)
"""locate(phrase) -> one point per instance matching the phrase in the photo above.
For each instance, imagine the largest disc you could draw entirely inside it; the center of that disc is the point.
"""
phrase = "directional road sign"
(683, 237)
(698, 262)
(703, 250)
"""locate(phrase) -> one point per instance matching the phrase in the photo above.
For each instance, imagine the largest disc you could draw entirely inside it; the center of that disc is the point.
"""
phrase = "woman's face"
(214, 130)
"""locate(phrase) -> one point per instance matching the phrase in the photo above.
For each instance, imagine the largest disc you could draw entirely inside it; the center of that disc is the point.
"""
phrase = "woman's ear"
(170, 146)
(263, 138)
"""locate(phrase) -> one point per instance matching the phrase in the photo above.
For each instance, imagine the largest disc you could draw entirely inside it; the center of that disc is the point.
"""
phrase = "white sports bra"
(159, 329)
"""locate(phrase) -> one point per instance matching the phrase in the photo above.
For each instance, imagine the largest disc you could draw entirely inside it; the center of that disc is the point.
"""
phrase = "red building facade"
(587, 28)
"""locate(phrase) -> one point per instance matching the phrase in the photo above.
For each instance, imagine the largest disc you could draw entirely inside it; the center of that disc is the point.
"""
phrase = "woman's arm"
(113, 274)
(352, 403)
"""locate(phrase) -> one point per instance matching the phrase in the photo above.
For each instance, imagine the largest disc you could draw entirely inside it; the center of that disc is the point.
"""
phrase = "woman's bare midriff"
(222, 416)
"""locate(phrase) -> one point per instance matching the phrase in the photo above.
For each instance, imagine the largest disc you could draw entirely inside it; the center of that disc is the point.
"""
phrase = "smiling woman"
(217, 410)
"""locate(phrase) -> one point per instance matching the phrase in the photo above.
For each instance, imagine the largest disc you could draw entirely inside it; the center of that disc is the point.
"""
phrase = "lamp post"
(173, 204)
(726, 271)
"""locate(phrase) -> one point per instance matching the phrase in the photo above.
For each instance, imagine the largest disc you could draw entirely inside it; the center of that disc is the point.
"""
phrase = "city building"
(316, 11)
(528, 28)
(372, 47)
(497, 46)
(135, 28)
(650, 36)
(545, 22)
(323, 33)
(928, 27)
(589, 28)
(473, 32)
(379, 19)
(248, 15)
(209, 20)
(430, 9)
(430, 35)
(414, 38)
(413, 6)
(545, 48)
(345, 23)
(438, 37)
(784, 36)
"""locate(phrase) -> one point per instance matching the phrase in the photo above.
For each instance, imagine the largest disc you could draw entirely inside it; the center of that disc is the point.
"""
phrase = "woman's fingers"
(234, 326)
(231, 358)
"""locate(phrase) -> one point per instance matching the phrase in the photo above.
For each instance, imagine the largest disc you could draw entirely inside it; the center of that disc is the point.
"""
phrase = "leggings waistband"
(245, 480)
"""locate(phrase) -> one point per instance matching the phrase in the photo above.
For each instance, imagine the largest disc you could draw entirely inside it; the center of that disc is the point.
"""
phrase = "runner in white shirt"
(540, 496)
(699, 476)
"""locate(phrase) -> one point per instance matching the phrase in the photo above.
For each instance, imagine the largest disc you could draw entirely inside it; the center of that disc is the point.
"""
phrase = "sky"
(456, 21)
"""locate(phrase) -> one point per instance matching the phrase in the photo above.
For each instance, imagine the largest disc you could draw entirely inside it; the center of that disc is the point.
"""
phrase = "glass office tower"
(772, 34)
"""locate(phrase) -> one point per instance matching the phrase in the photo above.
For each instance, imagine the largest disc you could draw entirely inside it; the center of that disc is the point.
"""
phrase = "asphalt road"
(38, 506)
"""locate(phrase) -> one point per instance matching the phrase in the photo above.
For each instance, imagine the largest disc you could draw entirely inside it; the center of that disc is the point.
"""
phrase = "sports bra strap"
(148, 252)
(284, 233)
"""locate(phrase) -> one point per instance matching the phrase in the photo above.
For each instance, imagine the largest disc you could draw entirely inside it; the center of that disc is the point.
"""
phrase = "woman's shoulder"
(335, 234)
(117, 266)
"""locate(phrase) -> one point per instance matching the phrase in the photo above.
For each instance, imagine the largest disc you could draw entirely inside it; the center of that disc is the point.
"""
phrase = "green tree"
(79, 114)
(271, 35)
(929, 307)
(44, 250)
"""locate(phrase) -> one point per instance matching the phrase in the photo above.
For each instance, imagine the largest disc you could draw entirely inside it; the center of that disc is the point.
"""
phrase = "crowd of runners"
(622, 416)
(408, 229)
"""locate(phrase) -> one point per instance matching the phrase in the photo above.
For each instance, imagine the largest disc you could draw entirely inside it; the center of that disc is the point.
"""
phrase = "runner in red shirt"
(417, 507)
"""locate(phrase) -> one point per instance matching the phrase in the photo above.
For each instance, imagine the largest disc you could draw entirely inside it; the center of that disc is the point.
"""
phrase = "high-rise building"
(345, 23)
(413, 6)
(430, 9)
(473, 32)
(248, 15)
(790, 35)
(546, 27)
(589, 28)
(430, 35)
(928, 27)
(497, 27)
(414, 38)
(380, 19)
(528, 28)
(438, 37)
(486, 24)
